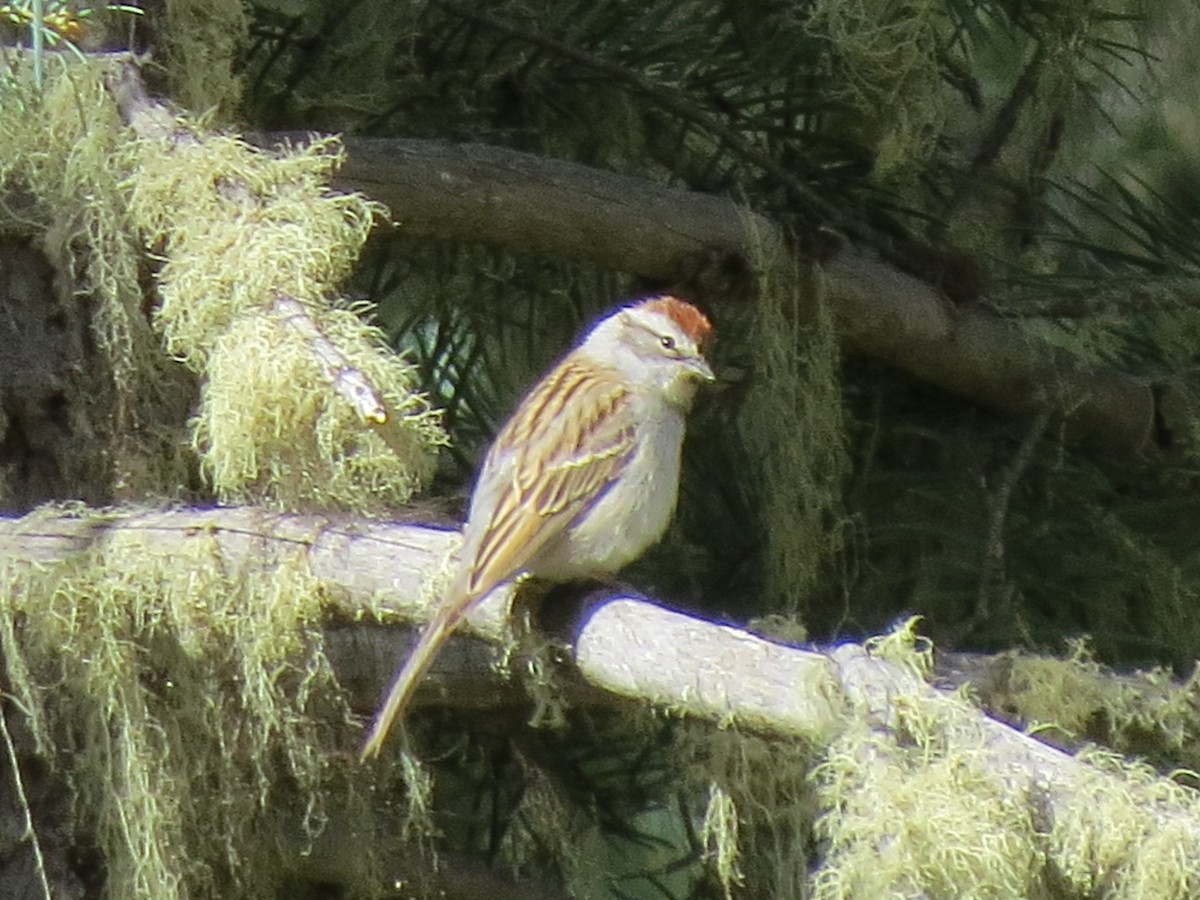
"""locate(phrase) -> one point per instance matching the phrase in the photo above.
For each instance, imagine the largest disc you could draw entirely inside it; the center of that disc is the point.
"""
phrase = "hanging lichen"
(884, 62)
(719, 834)
(238, 229)
(759, 810)
(1147, 713)
(191, 708)
(188, 704)
(919, 821)
(202, 41)
(923, 807)
(271, 429)
(63, 153)
(254, 243)
(794, 432)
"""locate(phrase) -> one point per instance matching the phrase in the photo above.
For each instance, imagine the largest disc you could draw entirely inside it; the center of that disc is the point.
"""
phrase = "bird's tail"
(409, 675)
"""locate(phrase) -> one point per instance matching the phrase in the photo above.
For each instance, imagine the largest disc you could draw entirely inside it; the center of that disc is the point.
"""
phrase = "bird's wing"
(561, 450)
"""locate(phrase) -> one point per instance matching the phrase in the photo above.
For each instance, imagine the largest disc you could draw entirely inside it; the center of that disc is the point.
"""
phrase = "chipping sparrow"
(582, 478)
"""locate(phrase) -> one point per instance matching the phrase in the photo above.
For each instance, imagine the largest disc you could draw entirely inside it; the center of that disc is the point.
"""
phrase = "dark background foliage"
(999, 150)
(1032, 159)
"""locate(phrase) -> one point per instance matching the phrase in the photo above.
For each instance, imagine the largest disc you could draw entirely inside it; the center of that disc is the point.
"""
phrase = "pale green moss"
(1128, 833)
(759, 811)
(1147, 712)
(886, 65)
(906, 823)
(202, 40)
(188, 704)
(902, 646)
(236, 228)
(272, 428)
(241, 228)
(925, 808)
(719, 835)
(793, 429)
(192, 709)
(64, 162)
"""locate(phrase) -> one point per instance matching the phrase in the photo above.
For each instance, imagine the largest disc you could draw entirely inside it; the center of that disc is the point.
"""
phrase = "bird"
(582, 478)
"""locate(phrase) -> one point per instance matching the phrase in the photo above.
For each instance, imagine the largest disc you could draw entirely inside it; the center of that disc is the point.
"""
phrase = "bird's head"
(658, 343)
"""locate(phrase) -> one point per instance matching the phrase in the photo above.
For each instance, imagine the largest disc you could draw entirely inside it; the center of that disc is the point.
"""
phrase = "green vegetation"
(996, 150)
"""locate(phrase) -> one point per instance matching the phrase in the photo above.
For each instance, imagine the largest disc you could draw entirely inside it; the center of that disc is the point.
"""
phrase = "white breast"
(633, 514)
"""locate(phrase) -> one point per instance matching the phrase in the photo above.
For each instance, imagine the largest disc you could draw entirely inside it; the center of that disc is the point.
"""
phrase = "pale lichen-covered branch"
(995, 806)
(303, 405)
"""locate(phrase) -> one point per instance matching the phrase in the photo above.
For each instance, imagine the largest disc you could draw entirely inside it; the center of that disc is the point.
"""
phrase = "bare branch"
(991, 567)
(1147, 297)
(490, 194)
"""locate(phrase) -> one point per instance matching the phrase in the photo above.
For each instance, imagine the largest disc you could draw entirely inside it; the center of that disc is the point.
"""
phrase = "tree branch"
(494, 195)
(624, 645)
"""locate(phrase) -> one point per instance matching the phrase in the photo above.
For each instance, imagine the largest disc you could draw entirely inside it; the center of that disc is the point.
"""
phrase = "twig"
(992, 566)
(1006, 117)
(1138, 299)
(348, 381)
(29, 831)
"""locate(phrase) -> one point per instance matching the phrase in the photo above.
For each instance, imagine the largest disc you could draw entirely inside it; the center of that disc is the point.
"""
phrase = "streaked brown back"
(546, 491)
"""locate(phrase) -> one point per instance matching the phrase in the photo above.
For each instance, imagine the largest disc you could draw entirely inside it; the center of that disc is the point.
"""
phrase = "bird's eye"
(668, 342)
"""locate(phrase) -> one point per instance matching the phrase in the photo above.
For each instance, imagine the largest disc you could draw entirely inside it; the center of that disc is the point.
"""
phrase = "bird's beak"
(702, 369)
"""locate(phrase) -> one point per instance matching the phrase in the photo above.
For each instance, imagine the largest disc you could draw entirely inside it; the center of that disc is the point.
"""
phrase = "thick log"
(476, 192)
